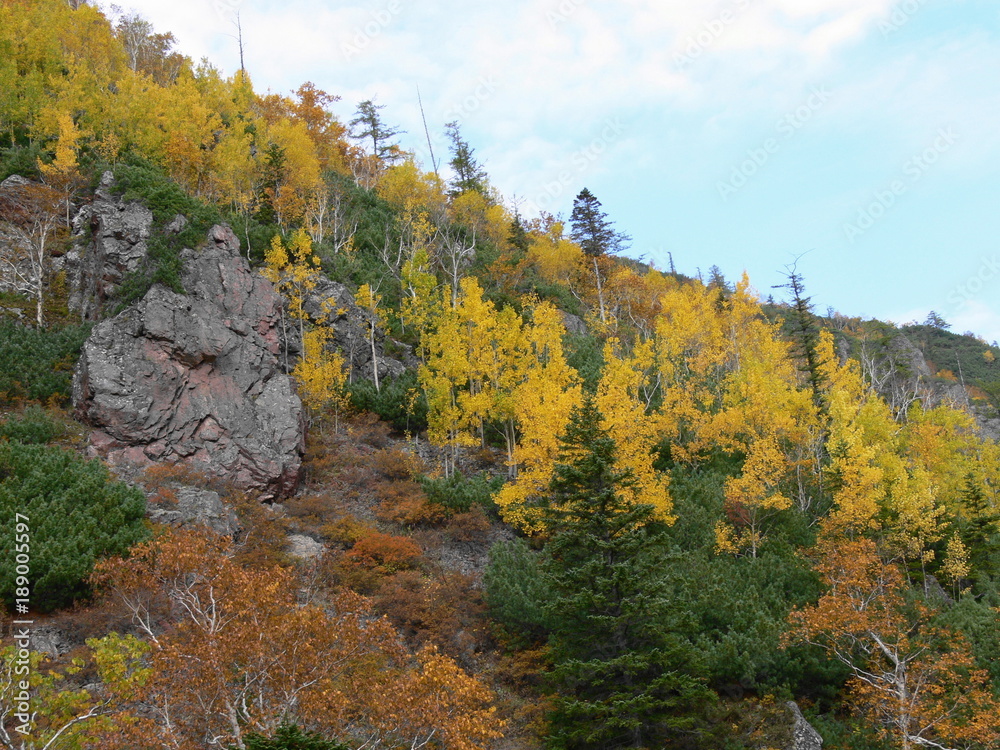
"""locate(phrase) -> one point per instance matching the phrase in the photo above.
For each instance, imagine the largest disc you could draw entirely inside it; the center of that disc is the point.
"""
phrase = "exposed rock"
(14, 182)
(196, 507)
(14, 245)
(176, 225)
(934, 591)
(300, 545)
(196, 378)
(574, 323)
(804, 735)
(50, 640)
(333, 302)
(110, 242)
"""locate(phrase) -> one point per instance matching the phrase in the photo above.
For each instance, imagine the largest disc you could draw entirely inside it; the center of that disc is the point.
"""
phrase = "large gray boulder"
(195, 378)
(804, 735)
(193, 507)
(110, 239)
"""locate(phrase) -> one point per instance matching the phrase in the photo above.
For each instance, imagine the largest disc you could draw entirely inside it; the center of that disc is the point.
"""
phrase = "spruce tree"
(806, 334)
(592, 229)
(596, 236)
(368, 125)
(469, 173)
(621, 679)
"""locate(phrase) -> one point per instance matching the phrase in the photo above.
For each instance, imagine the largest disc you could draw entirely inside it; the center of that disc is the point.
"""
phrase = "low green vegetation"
(75, 515)
(37, 364)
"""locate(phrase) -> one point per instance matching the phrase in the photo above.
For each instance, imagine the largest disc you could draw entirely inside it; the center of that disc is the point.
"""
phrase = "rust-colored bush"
(368, 429)
(262, 537)
(397, 464)
(404, 503)
(473, 526)
(158, 475)
(384, 553)
(446, 610)
(317, 508)
(346, 530)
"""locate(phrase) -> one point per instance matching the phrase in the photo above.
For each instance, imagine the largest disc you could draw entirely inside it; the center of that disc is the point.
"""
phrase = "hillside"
(304, 446)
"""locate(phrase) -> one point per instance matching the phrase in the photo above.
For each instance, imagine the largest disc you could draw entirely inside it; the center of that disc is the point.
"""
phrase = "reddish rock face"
(195, 378)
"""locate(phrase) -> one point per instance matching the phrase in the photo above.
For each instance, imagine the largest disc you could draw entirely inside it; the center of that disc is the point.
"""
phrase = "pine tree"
(367, 124)
(592, 229)
(469, 173)
(596, 237)
(619, 675)
(805, 333)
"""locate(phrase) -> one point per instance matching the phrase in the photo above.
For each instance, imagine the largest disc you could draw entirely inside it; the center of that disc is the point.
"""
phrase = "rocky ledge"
(195, 378)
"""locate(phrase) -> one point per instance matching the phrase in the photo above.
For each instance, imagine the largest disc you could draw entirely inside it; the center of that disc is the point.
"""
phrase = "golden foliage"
(231, 651)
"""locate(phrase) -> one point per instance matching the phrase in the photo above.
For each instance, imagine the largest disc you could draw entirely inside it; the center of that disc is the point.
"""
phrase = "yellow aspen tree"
(62, 173)
(444, 372)
(191, 126)
(463, 363)
(556, 258)
(859, 428)
(877, 487)
(956, 563)
(369, 299)
(689, 353)
(422, 298)
(635, 432)
(295, 170)
(407, 187)
(943, 441)
(484, 341)
(321, 376)
(294, 270)
(752, 498)
(543, 401)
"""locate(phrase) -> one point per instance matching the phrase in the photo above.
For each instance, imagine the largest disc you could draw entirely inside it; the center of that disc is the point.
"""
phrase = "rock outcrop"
(193, 506)
(195, 378)
(110, 242)
(333, 303)
(804, 735)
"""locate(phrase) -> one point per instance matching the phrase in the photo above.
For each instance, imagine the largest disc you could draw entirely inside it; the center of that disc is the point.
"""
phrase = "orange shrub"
(469, 527)
(384, 553)
(393, 463)
(346, 530)
(406, 504)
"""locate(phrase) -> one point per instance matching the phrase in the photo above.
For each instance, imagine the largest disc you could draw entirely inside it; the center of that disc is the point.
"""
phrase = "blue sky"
(860, 135)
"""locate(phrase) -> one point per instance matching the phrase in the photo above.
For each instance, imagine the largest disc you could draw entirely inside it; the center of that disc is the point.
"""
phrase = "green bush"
(290, 737)
(75, 515)
(37, 365)
(516, 590)
(20, 160)
(142, 181)
(34, 426)
(400, 402)
(460, 493)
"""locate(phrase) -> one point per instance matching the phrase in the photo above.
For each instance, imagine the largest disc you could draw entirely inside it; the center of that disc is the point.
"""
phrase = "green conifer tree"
(622, 679)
